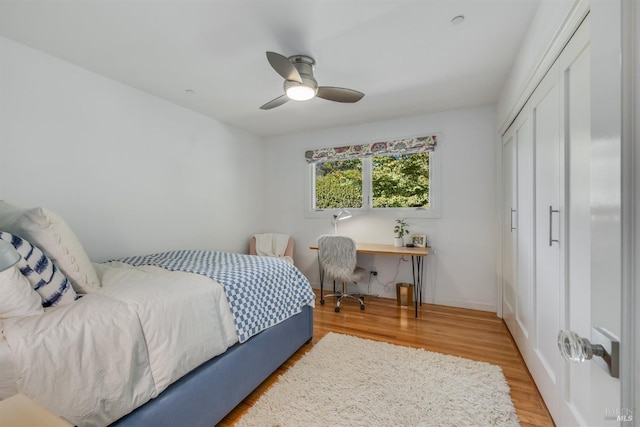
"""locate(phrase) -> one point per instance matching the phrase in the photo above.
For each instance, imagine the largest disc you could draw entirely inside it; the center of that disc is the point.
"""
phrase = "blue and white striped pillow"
(44, 276)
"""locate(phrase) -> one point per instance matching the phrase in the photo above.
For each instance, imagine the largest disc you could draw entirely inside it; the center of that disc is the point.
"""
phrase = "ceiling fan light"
(300, 93)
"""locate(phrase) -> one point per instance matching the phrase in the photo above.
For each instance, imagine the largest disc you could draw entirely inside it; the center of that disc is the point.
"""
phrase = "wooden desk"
(417, 263)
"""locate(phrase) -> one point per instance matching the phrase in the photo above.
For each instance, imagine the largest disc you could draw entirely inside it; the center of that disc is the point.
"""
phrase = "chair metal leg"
(342, 295)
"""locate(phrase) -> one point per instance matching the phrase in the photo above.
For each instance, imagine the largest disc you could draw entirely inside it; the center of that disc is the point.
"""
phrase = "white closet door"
(546, 111)
(525, 255)
(518, 246)
(577, 80)
(509, 235)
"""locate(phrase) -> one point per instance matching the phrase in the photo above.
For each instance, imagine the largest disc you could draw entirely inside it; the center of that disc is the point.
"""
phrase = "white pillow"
(52, 235)
(41, 272)
(18, 297)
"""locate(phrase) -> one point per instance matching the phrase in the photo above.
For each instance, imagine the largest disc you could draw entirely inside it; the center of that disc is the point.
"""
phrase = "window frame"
(435, 197)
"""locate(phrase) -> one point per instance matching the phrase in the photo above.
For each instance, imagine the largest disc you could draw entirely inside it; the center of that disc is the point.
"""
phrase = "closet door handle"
(512, 212)
(551, 212)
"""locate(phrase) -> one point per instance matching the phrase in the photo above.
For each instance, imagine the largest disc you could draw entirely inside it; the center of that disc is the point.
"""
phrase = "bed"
(174, 338)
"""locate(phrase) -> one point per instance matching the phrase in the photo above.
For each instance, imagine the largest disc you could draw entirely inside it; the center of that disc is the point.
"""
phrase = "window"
(400, 181)
(383, 180)
(338, 184)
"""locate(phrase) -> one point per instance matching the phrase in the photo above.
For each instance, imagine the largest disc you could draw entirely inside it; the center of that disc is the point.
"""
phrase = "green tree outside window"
(401, 181)
(398, 181)
(339, 184)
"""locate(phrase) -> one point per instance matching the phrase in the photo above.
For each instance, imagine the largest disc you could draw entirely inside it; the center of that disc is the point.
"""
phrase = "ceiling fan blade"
(275, 102)
(339, 94)
(284, 67)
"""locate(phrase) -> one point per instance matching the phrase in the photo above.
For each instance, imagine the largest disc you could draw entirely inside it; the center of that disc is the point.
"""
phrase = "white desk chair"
(337, 256)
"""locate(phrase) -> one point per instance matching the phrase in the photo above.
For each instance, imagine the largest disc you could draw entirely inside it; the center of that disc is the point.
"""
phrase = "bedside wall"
(129, 172)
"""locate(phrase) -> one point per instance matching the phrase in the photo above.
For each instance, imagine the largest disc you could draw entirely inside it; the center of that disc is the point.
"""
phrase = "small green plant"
(402, 229)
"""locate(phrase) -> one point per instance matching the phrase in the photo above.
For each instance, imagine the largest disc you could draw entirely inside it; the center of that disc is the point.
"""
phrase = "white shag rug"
(350, 381)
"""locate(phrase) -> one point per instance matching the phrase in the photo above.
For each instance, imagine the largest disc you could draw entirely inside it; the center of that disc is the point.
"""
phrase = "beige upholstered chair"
(337, 256)
(287, 253)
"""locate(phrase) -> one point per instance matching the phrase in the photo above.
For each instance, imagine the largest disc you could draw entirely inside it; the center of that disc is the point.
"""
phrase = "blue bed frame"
(205, 395)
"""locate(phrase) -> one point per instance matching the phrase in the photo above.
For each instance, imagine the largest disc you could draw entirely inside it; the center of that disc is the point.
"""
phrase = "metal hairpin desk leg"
(417, 264)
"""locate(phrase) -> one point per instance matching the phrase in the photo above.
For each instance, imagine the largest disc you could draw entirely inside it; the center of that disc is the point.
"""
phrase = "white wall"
(129, 172)
(134, 174)
(461, 272)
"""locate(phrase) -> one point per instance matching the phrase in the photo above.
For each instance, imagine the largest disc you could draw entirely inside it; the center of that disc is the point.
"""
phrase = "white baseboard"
(449, 302)
(453, 302)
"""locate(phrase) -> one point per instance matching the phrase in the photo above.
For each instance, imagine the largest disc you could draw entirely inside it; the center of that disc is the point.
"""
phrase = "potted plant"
(401, 230)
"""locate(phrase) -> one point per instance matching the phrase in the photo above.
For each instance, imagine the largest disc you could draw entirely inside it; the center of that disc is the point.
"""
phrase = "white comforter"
(99, 358)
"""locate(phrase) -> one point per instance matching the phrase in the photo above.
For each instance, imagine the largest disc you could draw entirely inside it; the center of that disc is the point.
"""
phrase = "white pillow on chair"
(52, 235)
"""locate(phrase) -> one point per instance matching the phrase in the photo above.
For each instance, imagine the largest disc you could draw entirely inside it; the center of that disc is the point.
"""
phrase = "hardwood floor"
(476, 335)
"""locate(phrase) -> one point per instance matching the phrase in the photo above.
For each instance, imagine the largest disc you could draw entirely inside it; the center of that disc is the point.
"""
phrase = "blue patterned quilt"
(262, 291)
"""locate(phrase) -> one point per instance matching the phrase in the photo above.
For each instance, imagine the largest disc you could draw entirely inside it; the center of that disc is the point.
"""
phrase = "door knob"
(574, 348)
(605, 348)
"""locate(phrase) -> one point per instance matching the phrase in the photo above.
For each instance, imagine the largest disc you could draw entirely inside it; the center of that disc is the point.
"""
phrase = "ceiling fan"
(300, 85)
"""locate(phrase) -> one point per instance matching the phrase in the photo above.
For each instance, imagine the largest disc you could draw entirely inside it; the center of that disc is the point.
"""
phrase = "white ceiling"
(405, 55)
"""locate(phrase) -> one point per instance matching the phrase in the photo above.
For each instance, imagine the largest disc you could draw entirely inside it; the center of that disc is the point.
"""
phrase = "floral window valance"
(400, 146)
